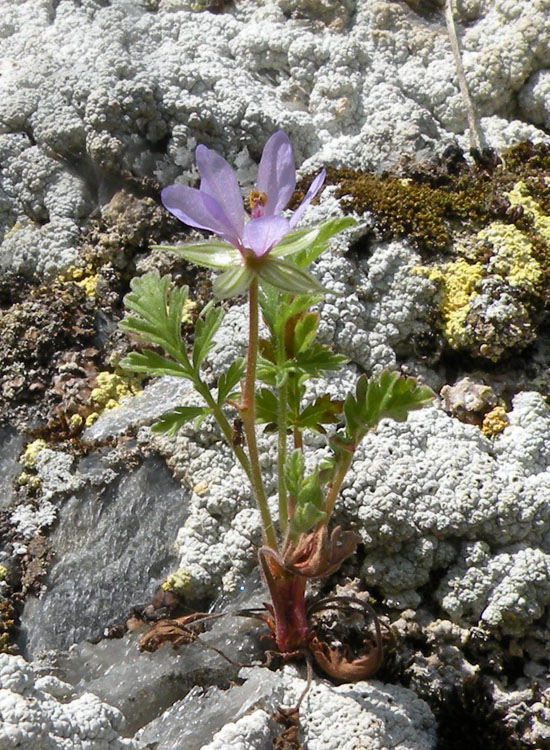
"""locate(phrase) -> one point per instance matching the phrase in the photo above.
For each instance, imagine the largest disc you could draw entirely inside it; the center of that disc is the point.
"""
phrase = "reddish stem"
(288, 603)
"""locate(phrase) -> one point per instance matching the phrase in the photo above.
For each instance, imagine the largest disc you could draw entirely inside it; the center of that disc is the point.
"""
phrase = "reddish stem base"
(288, 605)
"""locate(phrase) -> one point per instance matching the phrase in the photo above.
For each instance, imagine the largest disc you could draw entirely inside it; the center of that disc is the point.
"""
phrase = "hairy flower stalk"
(263, 250)
(248, 415)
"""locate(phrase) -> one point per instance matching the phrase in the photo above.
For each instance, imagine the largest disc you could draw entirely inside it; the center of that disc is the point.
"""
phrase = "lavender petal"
(260, 235)
(277, 173)
(219, 181)
(314, 188)
(199, 210)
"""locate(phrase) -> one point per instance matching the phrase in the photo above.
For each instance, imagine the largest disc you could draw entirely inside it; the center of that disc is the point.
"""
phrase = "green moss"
(7, 621)
(403, 207)
(429, 203)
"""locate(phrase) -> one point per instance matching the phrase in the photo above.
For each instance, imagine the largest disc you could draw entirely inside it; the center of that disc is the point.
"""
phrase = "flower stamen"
(256, 202)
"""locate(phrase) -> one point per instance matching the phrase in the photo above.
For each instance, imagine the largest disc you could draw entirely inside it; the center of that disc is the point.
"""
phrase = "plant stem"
(282, 423)
(334, 488)
(475, 138)
(225, 427)
(248, 416)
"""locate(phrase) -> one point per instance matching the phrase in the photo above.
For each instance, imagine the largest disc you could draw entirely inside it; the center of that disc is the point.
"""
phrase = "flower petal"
(219, 181)
(277, 173)
(198, 209)
(260, 235)
(314, 188)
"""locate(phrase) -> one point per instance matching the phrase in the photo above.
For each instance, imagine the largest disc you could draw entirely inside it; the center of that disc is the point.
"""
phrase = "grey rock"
(113, 545)
(10, 448)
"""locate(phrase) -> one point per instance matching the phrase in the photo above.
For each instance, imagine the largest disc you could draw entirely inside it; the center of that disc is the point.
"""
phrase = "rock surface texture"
(102, 103)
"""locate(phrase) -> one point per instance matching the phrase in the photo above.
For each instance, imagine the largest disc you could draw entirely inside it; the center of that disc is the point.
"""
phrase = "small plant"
(267, 258)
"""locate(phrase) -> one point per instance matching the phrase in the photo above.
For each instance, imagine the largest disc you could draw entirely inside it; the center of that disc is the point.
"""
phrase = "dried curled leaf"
(339, 664)
(317, 555)
(178, 632)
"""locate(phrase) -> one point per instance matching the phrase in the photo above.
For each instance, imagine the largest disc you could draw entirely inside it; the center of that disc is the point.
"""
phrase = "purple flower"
(218, 205)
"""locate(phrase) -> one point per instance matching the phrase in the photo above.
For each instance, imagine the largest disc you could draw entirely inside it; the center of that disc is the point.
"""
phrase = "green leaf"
(205, 330)
(232, 282)
(288, 277)
(320, 243)
(310, 492)
(309, 502)
(318, 359)
(171, 422)
(306, 517)
(228, 380)
(153, 364)
(278, 307)
(267, 405)
(386, 395)
(158, 308)
(292, 306)
(294, 471)
(322, 411)
(305, 331)
(266, 371)
(210, 254)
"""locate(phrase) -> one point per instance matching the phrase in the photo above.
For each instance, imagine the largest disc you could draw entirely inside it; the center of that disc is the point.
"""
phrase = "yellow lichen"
(12, 230)
(495, 421)
(3, 573)
(31, 452)
(76, 421)
(179, 582)
(111, 387)
(458, 282)
(91, 418)
(188, 306)
(512, 257)
(519, 196)
(83, 277)
(28, 480)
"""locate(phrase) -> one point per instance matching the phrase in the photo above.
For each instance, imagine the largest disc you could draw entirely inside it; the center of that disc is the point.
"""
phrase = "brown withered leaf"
(288, 739)
(339, 664)
(316, 555)
(178, 632)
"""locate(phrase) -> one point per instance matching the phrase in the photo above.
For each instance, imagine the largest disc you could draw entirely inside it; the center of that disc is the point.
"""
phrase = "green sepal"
(219, 255)
(288, 277)
(386, 395)
(294, 242)
(232, 282)
(173, 421)
(205, 330)
(306, 245)
(326, 231)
